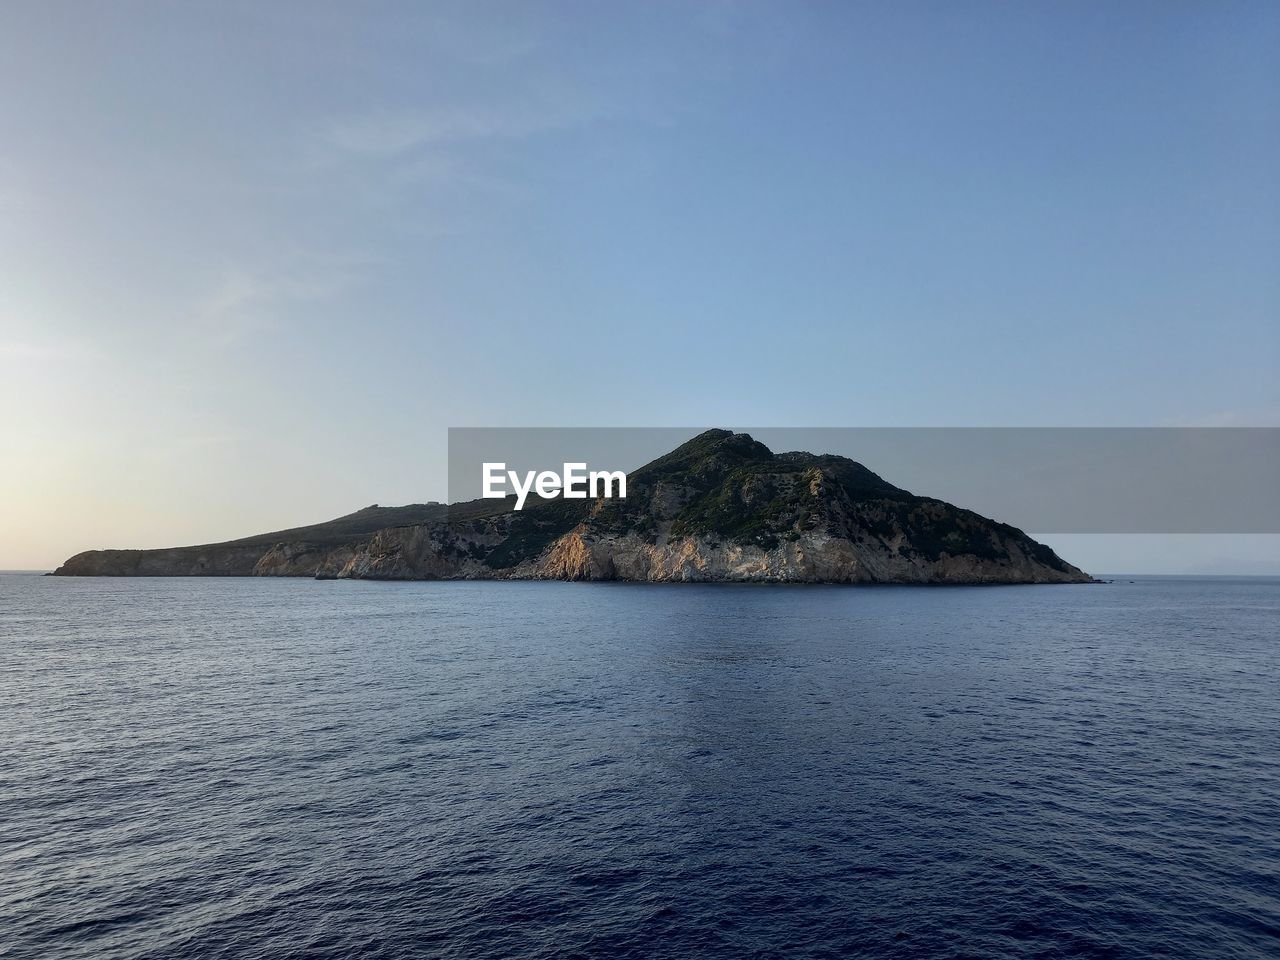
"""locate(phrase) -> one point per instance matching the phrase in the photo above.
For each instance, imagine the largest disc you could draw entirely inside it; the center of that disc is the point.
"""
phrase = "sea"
(263, 768)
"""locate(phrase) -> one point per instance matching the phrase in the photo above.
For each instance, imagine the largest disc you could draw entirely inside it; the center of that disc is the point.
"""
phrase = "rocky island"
(721, 507)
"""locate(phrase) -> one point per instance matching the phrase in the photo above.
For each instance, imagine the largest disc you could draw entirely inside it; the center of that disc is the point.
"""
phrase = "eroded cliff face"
(811, 558)
(304, 560)
(719, 508)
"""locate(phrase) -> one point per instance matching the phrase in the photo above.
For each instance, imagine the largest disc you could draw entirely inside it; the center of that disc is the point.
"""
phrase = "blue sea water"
(291, 768)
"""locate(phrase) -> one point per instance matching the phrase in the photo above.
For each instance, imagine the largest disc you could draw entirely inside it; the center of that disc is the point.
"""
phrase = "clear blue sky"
(255, 258)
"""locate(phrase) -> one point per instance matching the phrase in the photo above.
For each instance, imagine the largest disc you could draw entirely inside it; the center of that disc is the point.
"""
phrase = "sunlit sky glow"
(255, 258)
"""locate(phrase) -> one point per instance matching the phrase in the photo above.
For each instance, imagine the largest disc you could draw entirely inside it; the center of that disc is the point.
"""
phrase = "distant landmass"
(721, 507)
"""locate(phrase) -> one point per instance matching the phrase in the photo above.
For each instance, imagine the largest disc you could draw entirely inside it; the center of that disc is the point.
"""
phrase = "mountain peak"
(710, 451)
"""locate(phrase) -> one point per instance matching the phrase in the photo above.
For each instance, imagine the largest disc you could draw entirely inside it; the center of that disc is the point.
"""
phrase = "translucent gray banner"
(1043, 480)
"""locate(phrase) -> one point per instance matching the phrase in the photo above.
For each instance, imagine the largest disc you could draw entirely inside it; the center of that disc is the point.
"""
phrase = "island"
(721, 507)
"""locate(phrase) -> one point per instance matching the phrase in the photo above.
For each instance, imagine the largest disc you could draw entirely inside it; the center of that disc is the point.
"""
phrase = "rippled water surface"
(259, 768)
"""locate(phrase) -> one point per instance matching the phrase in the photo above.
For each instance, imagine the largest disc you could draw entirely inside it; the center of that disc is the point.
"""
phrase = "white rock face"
(415, 553)
(811, 558)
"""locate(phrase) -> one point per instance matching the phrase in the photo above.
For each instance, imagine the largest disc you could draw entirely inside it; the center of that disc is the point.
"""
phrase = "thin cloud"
(37, 349)
(244, 302)
(387, 132)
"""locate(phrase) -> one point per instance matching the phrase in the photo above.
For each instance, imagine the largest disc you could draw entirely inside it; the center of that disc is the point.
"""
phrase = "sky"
(255, 259)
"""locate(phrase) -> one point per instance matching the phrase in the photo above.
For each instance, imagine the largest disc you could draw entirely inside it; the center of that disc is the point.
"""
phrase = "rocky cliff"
(720, 507)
